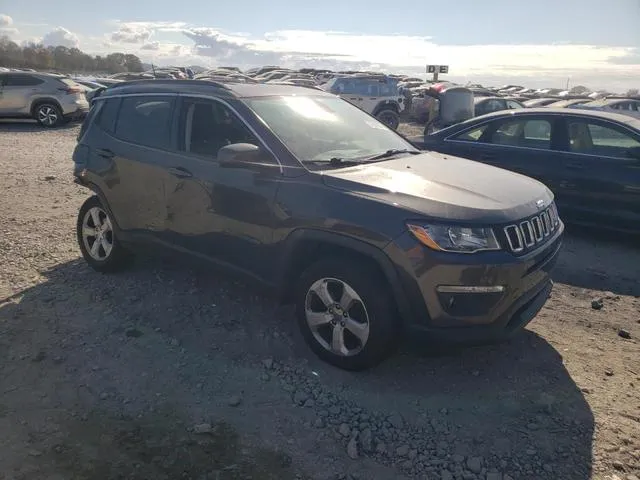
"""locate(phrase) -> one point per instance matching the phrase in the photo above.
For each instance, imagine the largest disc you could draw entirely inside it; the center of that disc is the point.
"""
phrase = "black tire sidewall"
(388, 112)
(60, 120)
(119, 254)
(384, 325)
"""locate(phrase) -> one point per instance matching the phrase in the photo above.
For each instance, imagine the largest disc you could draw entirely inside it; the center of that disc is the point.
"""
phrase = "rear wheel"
(346, 314)
(48, 115)
(389, 117)
(97, 239)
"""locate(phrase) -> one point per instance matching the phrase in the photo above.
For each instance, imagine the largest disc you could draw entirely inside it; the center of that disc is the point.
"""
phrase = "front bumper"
(506, 293)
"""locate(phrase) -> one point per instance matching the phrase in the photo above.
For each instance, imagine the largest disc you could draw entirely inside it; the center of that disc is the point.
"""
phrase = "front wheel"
(389, 117)
(97, 239)
(48, 115)
(346, 313)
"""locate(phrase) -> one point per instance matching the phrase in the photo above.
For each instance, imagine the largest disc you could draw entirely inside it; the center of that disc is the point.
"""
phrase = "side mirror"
(634, 152)
(244, 155)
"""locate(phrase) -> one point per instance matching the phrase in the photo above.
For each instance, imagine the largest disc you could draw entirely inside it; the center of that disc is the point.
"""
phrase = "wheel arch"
(305, 246)
(40, 101)
(103, 200)
(386, 105)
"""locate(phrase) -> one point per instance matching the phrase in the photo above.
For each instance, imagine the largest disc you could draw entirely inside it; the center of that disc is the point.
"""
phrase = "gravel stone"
(366, 440)
(402, 451)
(624, 333)
(203, 429)
(344, 430)
(396, 421)
(494, 476)
(234, 401)
(474, 464)
(299, 397)
(352, 449)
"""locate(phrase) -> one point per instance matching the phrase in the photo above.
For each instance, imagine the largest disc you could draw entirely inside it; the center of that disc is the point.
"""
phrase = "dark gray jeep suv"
(315, 198)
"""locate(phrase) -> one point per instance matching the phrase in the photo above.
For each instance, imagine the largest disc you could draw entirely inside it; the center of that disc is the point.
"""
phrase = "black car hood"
(445, 187)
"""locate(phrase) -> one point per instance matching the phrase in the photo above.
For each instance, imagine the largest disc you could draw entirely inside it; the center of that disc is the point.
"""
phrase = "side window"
(21, 80)
(108, 114)
(598, 139)
(472, 135)
(146, 120)
(513, 105)
(207, 126)
(528, 133)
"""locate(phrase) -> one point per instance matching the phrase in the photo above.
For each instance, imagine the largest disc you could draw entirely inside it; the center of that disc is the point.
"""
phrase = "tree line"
(63, 59)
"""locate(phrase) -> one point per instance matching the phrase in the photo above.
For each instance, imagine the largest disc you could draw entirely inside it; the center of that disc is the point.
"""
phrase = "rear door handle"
(180, 172)
(105, 153)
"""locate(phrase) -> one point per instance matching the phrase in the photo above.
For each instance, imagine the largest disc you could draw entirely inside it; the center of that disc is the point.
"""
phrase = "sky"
(546, 43)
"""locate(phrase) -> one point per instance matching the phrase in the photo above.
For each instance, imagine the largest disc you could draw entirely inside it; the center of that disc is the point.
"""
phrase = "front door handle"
(180, 172)
(105, 153)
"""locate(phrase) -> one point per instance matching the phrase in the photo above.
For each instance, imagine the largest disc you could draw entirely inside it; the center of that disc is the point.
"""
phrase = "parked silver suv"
(50, 99)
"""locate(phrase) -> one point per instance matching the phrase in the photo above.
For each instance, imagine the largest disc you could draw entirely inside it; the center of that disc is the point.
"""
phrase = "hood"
(445, 187)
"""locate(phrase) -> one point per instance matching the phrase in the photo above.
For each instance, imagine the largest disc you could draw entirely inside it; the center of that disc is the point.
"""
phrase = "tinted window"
(21, 80)
(523, 133)
(489, 106)
(513, 105)
(472, 135)
(146, 121)
(108, 114)
(206, 127)
(599, 139)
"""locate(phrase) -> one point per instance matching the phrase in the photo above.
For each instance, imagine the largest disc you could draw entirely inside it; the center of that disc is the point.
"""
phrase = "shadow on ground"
(514, 404)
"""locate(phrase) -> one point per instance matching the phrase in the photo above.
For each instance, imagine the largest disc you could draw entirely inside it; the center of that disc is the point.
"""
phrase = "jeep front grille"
(533, 231)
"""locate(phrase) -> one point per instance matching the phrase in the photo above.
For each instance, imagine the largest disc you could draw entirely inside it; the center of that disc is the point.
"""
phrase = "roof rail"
(168, 81)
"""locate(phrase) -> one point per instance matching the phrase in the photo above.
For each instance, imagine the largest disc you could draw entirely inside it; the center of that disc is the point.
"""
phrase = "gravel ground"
(167, 372)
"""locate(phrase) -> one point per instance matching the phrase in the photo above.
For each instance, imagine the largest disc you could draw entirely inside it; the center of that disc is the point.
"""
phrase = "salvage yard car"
(48, 98)
(589, 159)
(311, 196)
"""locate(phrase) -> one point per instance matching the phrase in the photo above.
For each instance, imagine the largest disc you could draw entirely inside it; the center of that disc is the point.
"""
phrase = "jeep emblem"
(539, 203)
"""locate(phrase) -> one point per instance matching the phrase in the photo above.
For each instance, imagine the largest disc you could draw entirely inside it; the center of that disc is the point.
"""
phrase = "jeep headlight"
(451, 238)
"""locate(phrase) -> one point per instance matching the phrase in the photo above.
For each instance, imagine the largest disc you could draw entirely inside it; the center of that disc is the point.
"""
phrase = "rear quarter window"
(146, 121)
(107, 116)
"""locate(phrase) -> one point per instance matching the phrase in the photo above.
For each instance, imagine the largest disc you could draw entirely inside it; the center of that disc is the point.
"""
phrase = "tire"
(374, 316)
(389, 117)
(109, 255)
(48, 115)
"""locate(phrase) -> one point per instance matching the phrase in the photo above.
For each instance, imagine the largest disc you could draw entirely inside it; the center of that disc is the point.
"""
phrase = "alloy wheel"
(97, 234)
(337, 317)
(47, 115)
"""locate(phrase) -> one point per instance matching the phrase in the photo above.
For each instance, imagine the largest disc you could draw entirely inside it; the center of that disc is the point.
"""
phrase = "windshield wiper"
(390, 153)
(342, 162)
(335, 161)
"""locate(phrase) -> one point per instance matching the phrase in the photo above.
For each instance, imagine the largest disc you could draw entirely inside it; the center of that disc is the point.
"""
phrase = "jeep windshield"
(328, 131)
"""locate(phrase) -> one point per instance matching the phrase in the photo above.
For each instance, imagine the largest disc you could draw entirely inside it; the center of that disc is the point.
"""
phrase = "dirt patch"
(157, 446)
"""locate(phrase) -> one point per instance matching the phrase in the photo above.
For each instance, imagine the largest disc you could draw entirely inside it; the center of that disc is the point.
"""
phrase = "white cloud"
(6, 26)
(61, 37)
(131, 33)
(151, 46)
(5, 21)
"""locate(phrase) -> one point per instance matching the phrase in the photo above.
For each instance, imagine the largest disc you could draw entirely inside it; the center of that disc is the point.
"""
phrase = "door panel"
(133, 159)
(601, 183)
(521, 144)
(222, 213)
